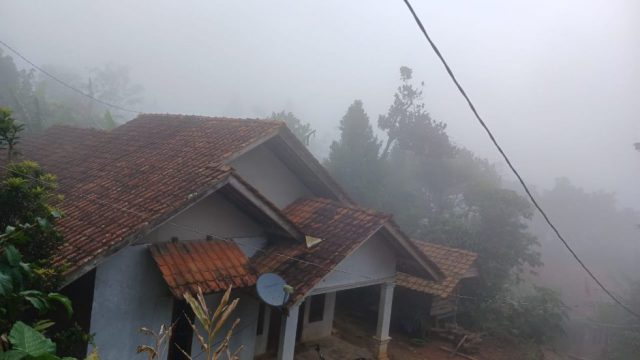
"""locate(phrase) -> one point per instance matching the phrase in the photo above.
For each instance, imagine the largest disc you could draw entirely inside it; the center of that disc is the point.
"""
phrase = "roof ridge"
(369, 211)
(155, 116)
(445, 247)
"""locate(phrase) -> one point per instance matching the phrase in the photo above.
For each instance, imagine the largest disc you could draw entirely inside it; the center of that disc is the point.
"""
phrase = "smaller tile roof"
(211, 265)
(454, 263)
(342, 228)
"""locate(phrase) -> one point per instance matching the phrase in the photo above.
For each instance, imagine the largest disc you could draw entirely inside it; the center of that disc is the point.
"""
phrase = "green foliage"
(300, 129)
(537, 317)
(29, 344)
(26, 248)
(624, 329)
(410, 125)
(493, 222)
(9, 131)
(354, 159)
(67, 339)
(17, 283)
(27, 194)
(437, 191)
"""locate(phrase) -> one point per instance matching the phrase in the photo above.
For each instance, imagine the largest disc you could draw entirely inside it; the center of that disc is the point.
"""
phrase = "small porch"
(350, 248)
(311, 323)
(309, 329)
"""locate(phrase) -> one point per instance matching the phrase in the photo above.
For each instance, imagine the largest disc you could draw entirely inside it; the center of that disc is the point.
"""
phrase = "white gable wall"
(213, 215)
(374, 262)
(267, 173)
(130, 292)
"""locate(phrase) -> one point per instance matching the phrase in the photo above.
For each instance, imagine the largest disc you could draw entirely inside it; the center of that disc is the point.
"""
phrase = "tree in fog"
(437, 191)
(109, 83)
(353, 158)
(302, 130)
(39, 101)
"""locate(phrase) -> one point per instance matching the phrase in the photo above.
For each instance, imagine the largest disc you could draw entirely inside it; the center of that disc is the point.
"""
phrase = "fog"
(556, 80)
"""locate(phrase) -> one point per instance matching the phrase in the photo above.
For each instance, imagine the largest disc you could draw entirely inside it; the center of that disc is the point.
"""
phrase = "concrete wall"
(264, 171)
(129, 294)
(372, 263)
(245, 333)
(213, 215)
(319, 329)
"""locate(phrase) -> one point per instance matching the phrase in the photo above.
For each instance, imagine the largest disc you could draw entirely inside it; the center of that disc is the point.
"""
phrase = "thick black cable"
(63, 83)
(512, 167)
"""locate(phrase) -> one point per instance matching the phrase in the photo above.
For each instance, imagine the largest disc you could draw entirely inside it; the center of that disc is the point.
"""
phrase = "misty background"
(557, 82)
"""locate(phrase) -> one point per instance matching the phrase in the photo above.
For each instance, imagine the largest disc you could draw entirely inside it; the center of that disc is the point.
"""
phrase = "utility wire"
(65, 84)
(512, 167)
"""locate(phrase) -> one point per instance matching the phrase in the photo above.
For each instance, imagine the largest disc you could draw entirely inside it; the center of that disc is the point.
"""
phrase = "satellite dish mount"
(273, 290)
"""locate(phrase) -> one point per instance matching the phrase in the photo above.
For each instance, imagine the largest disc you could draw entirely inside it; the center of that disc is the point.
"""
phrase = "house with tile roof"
(441, 299)
(168, 204)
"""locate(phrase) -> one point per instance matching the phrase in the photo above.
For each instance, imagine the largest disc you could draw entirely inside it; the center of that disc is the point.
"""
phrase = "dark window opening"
(182, 335)
(316, 308)
(76, 329)
(261, 311)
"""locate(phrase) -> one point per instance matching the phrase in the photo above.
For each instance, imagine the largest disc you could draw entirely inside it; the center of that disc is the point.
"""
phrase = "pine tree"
(354, 160)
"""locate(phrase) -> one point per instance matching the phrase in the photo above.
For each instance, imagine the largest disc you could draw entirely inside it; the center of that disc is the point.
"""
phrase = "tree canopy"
(300, 129)
(353, 158)
(39, 102)
(436, 190)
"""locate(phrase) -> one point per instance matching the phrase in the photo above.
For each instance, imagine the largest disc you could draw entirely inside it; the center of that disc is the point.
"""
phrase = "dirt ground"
(401, 349)
(359, 334)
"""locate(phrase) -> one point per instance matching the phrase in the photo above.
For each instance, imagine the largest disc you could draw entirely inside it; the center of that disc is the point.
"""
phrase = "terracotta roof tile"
(152, 166)
(342, 229)
(210, 265)
(454, 263)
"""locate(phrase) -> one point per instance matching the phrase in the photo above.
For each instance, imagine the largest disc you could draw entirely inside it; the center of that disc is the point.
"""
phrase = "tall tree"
(353, 159)
(410, 125)
(437, 191)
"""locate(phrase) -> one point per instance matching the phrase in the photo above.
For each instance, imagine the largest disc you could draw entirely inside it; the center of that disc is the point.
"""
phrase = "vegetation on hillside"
(39, 102)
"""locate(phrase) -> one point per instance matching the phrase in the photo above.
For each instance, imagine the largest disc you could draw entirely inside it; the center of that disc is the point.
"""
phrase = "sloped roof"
(119, 184)
(342, 228)
(212, 265)
(454, 263)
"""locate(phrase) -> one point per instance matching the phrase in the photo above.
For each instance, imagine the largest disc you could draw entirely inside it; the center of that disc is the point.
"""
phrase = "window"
(261, 312)
(182, 334)
(316, 308)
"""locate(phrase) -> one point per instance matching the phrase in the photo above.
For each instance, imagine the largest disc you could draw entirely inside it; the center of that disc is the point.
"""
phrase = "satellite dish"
(272, 289)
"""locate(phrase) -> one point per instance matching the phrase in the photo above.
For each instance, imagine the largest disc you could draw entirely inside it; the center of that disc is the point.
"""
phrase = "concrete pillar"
(381, 340)
(288, 334)
(329, 312)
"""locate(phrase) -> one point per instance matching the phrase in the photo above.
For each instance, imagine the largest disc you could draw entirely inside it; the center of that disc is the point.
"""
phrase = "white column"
(384, 320)
(329, 312)
(288, 334)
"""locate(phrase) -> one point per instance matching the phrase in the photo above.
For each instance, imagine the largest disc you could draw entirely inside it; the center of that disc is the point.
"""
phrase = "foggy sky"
(557, 81)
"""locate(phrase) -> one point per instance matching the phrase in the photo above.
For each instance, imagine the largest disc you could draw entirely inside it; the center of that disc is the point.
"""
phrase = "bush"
(537, 317)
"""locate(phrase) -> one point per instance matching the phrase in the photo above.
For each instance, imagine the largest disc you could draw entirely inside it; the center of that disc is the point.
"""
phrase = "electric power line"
(65, 84)
(511, 166)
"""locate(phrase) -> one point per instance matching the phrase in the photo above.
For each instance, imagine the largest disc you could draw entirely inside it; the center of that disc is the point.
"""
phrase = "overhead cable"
(65, 84)
(512, 167)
